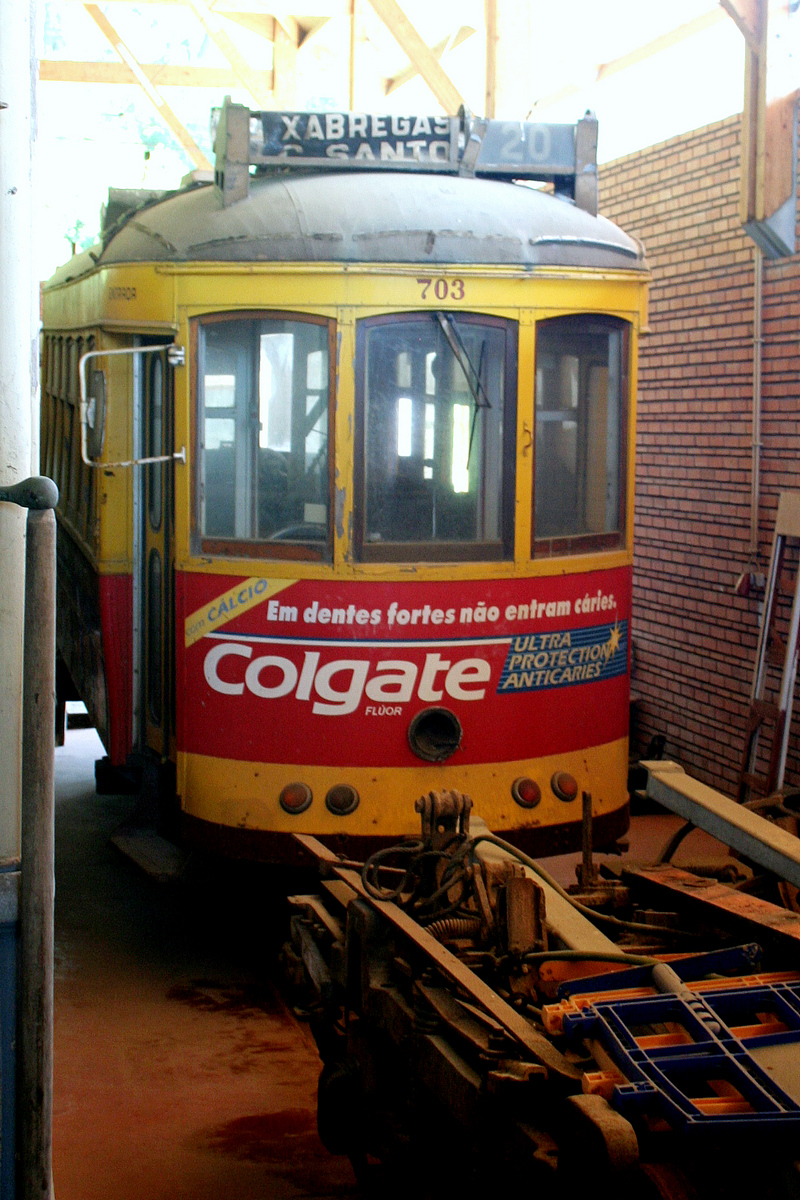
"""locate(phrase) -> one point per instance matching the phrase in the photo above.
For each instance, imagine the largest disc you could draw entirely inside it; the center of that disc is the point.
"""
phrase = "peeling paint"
(339, 505)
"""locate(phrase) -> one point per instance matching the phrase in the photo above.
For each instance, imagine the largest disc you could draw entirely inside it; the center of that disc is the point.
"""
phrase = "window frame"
(440, 551)
(252, 547)
(586, 543)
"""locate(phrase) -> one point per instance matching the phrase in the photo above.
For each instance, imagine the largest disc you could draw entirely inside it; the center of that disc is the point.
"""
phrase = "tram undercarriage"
(481, 1025)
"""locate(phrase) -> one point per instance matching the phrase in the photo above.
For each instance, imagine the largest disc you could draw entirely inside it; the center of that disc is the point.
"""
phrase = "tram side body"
(292, 671)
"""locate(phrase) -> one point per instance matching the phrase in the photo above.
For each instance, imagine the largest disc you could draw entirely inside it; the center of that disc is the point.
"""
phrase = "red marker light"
(526, 792)
(296, 798)
(342, 799)
(564, 786)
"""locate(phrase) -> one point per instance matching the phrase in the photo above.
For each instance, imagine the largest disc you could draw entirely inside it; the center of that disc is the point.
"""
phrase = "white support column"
(19, 360)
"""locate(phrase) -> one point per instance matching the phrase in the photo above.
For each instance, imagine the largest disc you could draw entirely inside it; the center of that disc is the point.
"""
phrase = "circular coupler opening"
(342, 799)
(295, 798)
(564, 786)
(434, 734)
(526, 792)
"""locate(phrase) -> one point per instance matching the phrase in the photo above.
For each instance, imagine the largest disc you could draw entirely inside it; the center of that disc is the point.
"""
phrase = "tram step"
(160, 859)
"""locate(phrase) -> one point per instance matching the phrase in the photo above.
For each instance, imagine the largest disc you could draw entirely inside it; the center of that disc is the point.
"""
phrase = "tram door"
(155, 603)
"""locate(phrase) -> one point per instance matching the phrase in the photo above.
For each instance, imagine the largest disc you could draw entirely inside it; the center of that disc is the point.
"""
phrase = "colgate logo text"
(337, 687)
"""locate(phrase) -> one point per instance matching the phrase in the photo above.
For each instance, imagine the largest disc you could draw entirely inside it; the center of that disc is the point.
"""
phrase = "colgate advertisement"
(331, 673)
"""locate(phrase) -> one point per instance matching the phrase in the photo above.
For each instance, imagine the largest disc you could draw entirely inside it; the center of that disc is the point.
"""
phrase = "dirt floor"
(180, 1074)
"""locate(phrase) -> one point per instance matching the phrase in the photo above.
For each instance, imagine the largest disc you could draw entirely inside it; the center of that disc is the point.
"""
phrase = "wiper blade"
(461, 354)
(479, 394)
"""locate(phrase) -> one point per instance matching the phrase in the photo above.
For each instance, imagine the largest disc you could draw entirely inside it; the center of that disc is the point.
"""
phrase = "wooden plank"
(139, 76)
(157, 857)
(721, 898)
(419, 54)
(749, 16)
(52, 70)
(250, 79)
(490, 104)
(640, 54)
(449, 43)
(284, 68)
(787, 522)
(771, 847)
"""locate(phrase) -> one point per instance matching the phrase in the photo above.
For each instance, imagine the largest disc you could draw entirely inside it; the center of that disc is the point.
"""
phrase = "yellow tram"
(345, 448)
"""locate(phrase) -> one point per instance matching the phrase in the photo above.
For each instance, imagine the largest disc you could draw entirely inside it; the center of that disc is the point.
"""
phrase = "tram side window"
(581, 385)
(61, 433)
(263, 401)
(436, 437)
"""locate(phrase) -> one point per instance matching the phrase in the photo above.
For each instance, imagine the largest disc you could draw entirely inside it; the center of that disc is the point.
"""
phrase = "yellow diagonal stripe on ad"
(217, 612)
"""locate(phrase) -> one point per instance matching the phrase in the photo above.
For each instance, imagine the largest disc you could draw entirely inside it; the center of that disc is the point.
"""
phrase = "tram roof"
(365, 217)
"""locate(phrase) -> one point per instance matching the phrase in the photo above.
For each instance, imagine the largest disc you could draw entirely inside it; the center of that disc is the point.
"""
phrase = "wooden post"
(35, 1016)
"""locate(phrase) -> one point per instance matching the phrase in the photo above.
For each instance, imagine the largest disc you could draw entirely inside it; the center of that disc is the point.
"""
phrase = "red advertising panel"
(332, 672)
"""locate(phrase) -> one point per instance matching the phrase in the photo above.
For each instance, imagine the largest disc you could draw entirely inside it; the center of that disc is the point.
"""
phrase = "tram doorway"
(154, 593)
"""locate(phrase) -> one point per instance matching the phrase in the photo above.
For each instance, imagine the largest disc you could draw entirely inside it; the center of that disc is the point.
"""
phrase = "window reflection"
(579, 428)
(263, 415)
(437, 472)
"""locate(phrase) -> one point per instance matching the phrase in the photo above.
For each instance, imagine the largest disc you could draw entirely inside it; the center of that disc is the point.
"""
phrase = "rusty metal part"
(538, 1047)
(563, 920)
(586, 871)
(445, 815)
(526, 917)
(764, 919)
(454, 927)
(597, 1141)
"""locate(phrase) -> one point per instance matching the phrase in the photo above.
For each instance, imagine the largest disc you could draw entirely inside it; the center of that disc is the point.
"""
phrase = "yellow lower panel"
(244, 795)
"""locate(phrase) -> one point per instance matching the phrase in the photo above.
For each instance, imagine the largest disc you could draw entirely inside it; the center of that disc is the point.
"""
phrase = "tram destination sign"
(353, 139)
(383, 141)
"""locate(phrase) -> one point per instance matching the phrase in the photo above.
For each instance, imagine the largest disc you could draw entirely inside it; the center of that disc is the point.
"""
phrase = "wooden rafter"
(284, 67)
(647, 50)
(419, 54)
(58, 70)
(411, 72)
(249, 78)
(138, 75)
(749, 17)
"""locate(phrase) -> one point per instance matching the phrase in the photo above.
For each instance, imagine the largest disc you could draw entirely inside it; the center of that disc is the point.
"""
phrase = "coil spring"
(454, 927)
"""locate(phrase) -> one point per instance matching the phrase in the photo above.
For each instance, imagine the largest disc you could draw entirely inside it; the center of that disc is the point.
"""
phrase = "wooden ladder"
(773, 652)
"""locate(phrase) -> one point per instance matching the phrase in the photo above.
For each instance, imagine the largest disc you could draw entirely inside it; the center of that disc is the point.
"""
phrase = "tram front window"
(581, 372)
(436, 433)
(263, 400)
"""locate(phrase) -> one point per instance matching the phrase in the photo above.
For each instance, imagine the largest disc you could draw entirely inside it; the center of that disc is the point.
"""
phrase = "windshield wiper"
(480, 397)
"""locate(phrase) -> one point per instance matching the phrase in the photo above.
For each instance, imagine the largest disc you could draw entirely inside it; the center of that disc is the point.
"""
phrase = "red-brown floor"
(179, 1072)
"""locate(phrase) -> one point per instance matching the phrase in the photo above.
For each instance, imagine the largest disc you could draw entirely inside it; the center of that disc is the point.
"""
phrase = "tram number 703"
(443, 289)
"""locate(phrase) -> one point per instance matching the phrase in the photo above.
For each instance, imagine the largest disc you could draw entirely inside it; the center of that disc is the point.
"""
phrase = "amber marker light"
(296, 798)
(342, 799)
(526, 792)
(564, 786)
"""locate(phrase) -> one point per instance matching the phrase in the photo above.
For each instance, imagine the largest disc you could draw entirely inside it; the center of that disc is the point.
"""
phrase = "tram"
(344, 440)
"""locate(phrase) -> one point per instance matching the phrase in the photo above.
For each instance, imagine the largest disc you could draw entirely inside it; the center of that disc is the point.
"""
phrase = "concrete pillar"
(19, 358)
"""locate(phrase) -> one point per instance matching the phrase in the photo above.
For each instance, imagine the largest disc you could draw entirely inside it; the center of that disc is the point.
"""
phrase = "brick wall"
(694, 639)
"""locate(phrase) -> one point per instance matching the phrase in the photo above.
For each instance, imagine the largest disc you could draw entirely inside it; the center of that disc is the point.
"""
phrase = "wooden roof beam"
(250, 79)
(59, 70)
(138, 75)
(419, 54)
(410, 72)
(664, 42)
